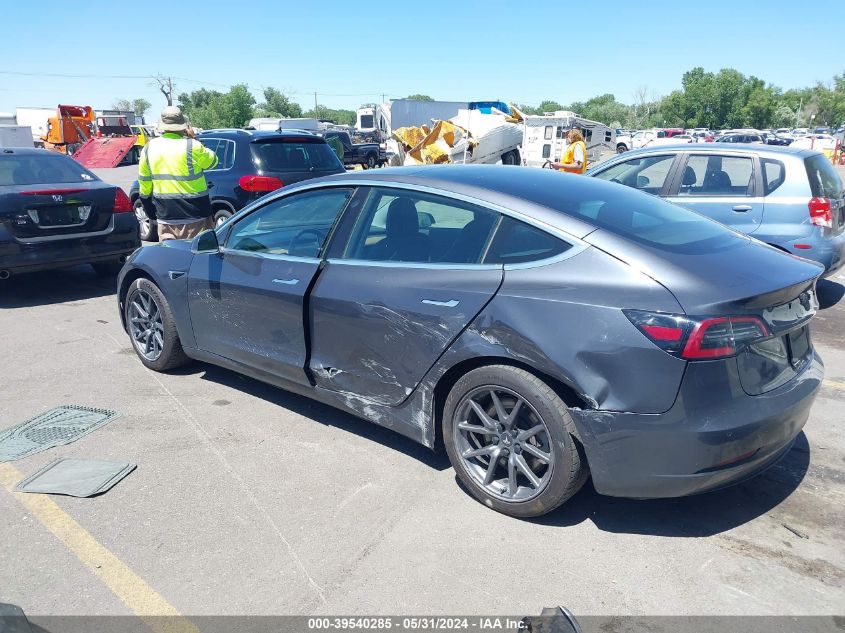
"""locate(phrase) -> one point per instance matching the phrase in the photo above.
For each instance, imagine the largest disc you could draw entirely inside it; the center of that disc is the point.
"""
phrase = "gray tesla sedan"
(544, 327)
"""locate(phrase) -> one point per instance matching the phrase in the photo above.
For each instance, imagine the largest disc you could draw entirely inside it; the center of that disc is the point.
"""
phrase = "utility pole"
(316, 107)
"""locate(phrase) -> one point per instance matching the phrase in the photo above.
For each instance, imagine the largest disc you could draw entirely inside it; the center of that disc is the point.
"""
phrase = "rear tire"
(372, 161)
(540, 438)
(220, 216)
(151, 327)
(621, 149)
(108, 268)
(510, 158)
(147, 229)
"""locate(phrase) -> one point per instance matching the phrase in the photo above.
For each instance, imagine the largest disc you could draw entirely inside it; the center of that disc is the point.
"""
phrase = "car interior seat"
(403, 240)
(470, 241)
(717, 181)
(689, 179)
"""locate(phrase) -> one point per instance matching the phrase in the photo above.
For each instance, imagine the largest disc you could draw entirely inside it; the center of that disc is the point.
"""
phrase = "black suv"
(251, 163)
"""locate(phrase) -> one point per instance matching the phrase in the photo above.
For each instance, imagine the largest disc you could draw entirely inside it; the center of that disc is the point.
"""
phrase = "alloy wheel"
(504, 443)
(145, 325)
(143, 221)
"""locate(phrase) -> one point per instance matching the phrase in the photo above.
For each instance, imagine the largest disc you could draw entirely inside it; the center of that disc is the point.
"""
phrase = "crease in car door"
(379, 326)
(247, 305)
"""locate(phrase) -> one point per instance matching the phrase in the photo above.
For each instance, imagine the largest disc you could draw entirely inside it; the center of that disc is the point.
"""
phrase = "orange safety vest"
(569, 159)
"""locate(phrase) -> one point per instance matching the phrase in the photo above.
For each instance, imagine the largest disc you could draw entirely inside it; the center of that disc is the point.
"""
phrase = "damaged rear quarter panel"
(565, 319)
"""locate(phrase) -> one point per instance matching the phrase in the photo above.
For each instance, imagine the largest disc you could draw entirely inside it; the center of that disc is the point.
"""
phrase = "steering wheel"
(293, 243)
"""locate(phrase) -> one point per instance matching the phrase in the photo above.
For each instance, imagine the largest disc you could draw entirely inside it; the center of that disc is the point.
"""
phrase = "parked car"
(740, 137)
(55, 213)
(543, 326)
(770, 138)
(370, 155)
(251, 163)
(790, 198)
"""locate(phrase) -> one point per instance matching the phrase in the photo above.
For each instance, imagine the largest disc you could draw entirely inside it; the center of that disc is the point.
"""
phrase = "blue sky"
(353, 52)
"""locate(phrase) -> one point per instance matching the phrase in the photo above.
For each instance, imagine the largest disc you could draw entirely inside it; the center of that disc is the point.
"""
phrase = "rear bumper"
(829, 252)
(714, 435)
(22, 257)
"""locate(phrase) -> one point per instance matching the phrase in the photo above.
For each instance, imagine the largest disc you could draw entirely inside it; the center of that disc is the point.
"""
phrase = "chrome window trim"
(234, 152)
(264, 255)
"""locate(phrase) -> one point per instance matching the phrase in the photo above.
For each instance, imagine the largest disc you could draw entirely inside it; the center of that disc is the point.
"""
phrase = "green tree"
(419, 97)
(604, 108)
(140, 106)
(277, 104)
(208, 109)
(341, 117)
(548, 106)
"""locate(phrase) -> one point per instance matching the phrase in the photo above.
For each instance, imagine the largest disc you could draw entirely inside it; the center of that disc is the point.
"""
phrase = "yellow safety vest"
(171, 166)
(569, 159)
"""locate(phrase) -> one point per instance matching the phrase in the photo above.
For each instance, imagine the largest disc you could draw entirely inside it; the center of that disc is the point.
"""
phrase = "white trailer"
(275, 124)
(16, 136)
(544, 137)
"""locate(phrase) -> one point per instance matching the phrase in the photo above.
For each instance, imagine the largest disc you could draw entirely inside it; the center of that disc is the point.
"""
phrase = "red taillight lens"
(820, 212)
(260, 183)
(694, 339)
(122, 204)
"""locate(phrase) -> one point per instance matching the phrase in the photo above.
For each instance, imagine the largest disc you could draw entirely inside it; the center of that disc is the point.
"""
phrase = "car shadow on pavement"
(65, 285)
(829, 293)
(320, 413)
(695, 516)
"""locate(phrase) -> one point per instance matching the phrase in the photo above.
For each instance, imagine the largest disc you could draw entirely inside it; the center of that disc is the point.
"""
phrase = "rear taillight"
(820, 212)
(122, 204)
(694, 339)
(260, 183)
(51, 192)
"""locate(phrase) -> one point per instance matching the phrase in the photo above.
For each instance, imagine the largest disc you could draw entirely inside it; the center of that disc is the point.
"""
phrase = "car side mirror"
(206, 242)
(642, 182)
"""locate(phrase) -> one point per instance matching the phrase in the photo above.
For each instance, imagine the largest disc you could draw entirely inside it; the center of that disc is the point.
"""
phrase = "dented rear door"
(377, 327)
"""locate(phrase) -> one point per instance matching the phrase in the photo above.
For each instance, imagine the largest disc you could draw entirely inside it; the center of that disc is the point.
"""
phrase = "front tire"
(151, 327)
(510, 158)
(372, 161)
(621, 149)
(511, 441)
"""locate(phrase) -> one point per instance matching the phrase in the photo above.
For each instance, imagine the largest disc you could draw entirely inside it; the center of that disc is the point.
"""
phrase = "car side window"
(518, 242)
(715, 175)
(409, 226)
(296, 225)
(225, 150)
(647, 174)
(774, 174)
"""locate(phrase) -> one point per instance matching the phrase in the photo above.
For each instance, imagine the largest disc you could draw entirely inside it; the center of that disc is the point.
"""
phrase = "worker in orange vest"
(574, 158)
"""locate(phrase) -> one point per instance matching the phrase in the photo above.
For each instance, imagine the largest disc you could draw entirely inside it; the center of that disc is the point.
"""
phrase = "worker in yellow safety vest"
(574, 159)
(171, 180)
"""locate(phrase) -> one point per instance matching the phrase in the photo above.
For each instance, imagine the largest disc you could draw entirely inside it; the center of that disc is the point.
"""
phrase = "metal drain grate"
(58, 426)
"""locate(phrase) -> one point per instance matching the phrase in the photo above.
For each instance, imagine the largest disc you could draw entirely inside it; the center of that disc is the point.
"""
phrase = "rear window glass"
(824, 181)
(41, 168)
(294, 156)
(651, 221)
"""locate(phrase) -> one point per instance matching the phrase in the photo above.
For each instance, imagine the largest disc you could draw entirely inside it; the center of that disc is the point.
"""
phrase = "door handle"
(446, 304)
(287, 282)
(742, 208)
(210, 184)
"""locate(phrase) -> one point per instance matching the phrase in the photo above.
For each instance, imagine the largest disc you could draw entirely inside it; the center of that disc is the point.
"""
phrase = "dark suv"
(252, 163)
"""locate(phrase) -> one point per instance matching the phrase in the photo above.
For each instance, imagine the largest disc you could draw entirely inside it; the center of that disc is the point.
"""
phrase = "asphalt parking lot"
(251, 500)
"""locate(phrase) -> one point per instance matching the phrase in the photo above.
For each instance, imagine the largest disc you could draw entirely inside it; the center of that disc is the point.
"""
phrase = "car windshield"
(41, 168)
(824, 181)
(284, 155)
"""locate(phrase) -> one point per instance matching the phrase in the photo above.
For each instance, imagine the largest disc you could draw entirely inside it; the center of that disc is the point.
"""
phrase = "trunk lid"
(737, 276)
(55, 209)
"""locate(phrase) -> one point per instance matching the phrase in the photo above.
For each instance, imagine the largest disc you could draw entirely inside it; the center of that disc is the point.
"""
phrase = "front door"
(722, 187)
(406, 284)
(247, 301)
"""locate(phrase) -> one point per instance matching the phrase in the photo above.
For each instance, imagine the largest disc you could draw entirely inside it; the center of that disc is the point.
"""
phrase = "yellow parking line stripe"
(834, 384)
(130, 588)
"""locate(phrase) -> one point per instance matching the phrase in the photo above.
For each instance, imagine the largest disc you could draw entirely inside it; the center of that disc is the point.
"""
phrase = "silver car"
(787, 197)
